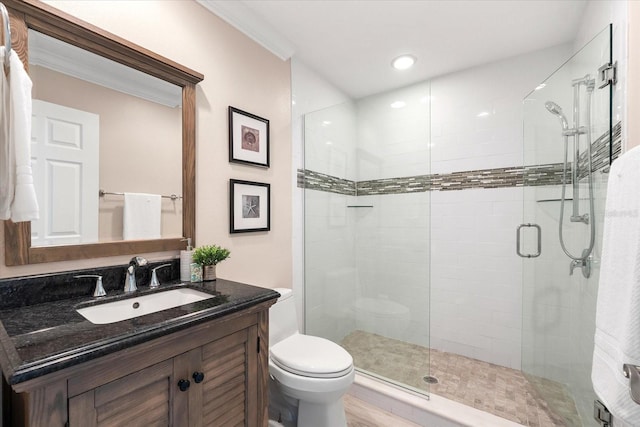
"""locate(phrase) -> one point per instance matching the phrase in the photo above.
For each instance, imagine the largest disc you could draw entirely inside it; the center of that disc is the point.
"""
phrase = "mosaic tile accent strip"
(600, 151)
(311, 180)
(409, 184)
(517, 176)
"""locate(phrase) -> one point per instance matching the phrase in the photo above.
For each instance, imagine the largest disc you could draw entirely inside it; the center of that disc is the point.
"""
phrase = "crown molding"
(237, 14)
(64, 58)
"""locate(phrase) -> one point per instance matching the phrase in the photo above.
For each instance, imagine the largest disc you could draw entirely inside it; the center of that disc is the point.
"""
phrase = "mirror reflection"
(99, 125)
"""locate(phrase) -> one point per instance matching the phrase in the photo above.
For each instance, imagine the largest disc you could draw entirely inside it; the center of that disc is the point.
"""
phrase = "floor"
(363, 414)
(495, 389)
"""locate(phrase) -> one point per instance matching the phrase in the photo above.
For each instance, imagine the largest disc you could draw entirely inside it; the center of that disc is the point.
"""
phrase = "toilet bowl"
(309, 375)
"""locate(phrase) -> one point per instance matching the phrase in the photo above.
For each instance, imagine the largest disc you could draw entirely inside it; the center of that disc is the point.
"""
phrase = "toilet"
(309, 375)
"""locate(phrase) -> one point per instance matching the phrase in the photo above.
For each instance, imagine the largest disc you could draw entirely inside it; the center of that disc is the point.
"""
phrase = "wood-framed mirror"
(28, 15)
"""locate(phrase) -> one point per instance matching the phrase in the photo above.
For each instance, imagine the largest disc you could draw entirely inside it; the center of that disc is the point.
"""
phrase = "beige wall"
(237, 72)
(633, 71)
(140, 148)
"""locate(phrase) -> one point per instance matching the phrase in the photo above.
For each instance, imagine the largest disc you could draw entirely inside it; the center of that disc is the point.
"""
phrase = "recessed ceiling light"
(540, 86)
(398, 104)
(403, 62)
(326, 123)
(483, 114)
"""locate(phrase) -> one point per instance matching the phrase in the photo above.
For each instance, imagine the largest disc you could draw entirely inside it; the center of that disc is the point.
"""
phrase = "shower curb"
(426, 411)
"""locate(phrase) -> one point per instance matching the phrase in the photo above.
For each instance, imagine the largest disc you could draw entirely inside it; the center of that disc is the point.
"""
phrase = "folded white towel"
(25, 203)
(142, 214)
(7, 158)
(617, 337)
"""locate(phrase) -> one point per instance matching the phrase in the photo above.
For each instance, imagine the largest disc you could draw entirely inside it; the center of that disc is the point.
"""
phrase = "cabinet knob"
(198, 377)
(183, 385)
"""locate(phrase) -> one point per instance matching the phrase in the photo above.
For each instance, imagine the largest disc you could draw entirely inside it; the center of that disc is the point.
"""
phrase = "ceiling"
(351, 43)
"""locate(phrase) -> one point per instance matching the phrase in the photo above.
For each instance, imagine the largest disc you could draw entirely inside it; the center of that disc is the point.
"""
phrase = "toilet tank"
(283, 321)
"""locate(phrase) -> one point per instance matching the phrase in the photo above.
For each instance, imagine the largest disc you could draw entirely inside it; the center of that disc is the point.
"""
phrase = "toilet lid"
(311, 356)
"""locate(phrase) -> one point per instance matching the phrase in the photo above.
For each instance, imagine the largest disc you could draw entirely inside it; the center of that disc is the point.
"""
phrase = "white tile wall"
(477, 114)
(392, 243)
(475, 275)
(392, 258)
(476, 279)
(394, 142)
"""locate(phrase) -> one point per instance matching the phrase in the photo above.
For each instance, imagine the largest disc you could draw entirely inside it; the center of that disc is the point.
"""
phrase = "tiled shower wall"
(475, 124)
(476, 287)
(392, 239)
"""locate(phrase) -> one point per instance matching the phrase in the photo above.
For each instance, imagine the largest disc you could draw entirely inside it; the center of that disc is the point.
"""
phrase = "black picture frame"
(249, 206)
(249, 138)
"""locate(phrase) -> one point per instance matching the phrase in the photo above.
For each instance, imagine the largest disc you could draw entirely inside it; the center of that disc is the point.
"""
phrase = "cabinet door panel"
(226, 395)
(140, 399)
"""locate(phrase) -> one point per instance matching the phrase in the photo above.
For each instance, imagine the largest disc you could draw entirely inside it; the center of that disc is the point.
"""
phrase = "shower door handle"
(519, 233)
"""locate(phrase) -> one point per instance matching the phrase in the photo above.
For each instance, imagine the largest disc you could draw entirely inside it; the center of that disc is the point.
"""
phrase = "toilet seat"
(311, 356)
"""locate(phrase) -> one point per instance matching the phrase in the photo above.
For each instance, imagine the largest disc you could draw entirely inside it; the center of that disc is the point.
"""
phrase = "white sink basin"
(129, 308)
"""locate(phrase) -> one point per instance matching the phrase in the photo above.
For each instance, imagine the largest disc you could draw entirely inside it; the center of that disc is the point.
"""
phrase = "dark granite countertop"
(37, 339)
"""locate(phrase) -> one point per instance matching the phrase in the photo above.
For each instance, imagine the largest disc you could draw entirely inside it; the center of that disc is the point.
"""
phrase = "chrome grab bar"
(632, 372)
(518, 233)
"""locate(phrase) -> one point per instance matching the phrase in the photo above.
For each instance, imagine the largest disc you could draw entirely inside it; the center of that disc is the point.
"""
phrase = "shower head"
(555, 109)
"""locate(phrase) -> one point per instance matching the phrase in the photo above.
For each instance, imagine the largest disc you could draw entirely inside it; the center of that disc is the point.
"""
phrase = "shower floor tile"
(496, 389)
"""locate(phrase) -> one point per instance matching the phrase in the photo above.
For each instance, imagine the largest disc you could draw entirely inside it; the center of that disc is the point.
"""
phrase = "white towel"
(142, 216)
(25, 203)
(7, 158)
(617, 337)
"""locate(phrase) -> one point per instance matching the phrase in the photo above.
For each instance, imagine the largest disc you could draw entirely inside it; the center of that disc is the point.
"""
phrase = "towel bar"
(633, 373)
(102, 193)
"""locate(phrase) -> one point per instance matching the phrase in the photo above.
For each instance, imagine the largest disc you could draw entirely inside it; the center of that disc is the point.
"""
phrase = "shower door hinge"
(607, 75)
(601, 413)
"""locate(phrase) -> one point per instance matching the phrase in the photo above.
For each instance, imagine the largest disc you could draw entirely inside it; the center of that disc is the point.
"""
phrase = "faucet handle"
(99, 290)
(154, 277)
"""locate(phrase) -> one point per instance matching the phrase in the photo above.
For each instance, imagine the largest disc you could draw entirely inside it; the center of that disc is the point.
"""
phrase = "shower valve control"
(584, 263)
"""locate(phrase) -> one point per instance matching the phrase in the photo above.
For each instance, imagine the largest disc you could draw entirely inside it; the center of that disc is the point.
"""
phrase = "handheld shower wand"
(555, 109)
(582, 260)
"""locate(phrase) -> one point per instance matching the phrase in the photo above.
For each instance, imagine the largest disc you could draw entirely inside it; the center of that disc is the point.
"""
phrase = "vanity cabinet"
(211, 374)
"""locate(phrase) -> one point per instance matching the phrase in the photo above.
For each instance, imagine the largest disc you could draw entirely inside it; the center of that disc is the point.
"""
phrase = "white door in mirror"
(65, 155)
(129, 308)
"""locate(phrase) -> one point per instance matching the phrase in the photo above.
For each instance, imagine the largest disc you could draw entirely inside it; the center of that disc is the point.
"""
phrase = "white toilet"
(309, 375)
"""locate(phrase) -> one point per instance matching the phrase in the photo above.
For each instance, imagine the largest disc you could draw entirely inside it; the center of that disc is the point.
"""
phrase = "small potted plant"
(208, 257)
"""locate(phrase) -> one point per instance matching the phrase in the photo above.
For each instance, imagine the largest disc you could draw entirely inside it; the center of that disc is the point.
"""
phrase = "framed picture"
(248, 138)
(250, 206)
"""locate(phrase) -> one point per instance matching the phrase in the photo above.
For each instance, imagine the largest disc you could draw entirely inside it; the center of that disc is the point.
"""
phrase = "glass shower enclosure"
(569, 142)
(366, 205)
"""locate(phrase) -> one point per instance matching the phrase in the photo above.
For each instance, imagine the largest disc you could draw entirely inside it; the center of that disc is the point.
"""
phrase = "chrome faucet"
(154, 277)
(99, 290)
(130, 279)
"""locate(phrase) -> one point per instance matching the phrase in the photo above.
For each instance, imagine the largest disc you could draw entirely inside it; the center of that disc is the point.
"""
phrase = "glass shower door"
(563, 216)
(367, 239)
